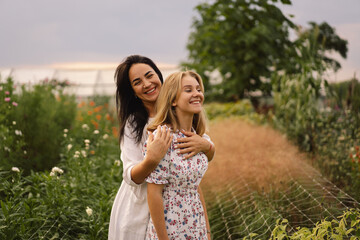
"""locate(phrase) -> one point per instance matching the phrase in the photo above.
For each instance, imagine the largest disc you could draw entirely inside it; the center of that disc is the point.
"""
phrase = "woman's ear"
(173, 104)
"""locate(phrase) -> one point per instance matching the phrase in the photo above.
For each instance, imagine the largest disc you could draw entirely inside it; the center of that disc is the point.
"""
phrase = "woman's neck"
(150, 109)
(186, 122)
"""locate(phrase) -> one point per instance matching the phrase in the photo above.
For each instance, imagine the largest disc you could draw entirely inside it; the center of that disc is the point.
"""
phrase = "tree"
(321, 39)
(244, 40)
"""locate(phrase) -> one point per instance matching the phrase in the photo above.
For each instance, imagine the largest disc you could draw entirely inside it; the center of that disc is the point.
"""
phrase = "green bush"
(346, 95)
(327, 134)
(11, 136)
(73, 200)
(242, 109)
(42, 113)
(296, 99)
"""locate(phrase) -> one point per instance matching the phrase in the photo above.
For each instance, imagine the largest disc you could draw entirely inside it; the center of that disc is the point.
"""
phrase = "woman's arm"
(157, 146)
(193, 144)
(156, 207)
(202, 199)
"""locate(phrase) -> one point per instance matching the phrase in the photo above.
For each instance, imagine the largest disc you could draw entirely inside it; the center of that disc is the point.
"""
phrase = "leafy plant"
(42, 113)
(73, 200)
(348, 226)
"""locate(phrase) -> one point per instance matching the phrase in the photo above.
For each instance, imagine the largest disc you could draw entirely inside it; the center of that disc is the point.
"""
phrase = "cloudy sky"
(43, 32)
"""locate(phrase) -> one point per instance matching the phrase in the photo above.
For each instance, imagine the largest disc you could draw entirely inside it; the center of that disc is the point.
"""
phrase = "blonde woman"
(175, 200)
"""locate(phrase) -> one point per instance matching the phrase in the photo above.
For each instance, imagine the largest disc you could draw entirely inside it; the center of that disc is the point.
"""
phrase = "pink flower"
(7, 99)
(7, 92)
(15, 104)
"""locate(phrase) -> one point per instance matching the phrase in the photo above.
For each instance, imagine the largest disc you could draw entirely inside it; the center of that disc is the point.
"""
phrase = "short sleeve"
(205, 136)
(160, 174)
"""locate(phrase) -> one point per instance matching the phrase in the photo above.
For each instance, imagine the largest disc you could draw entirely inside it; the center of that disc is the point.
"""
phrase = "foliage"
(296, 106)
(243, 109)
(348, 226)
(322, 38)
(328, 134)
(336, 136)
(43, 111)
(355, 169)
(74, 200)
(243, 40)
(11, 137)
(345, 95)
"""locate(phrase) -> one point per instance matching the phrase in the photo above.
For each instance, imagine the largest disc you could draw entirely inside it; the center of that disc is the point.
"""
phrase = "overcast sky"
(46, 32)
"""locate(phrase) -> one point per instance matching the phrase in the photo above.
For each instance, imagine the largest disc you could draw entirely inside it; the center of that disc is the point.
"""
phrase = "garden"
(60, 167)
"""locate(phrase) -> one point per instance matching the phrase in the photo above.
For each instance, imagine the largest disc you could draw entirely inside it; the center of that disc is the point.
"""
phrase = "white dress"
(130, 212)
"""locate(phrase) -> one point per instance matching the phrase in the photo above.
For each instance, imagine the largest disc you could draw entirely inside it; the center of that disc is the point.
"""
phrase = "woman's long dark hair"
(128, 106)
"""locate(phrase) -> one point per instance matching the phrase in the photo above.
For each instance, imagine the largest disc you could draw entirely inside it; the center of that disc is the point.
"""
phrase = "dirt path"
(259, 155)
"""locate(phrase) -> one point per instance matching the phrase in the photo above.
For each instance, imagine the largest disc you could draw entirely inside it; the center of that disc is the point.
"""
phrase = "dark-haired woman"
(138, 83)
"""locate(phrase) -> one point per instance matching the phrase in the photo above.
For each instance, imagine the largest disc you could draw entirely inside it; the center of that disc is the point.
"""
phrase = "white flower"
(69, 147)
(87, 146)
(83, 153)
(77, 154)
(87, 141)
(96, 131)
(7, 149)
(85, 127)
(89, 211)
(18, 132)
(65, 130)
(52, 174)
(57, 170)
(14, 123)
(15, 169)
(117, 162)
(65, 135)
(25, 152)
(105, 136)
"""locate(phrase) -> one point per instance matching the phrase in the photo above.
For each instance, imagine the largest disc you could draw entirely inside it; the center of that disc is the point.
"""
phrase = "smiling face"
(145, 83)
(191, 97)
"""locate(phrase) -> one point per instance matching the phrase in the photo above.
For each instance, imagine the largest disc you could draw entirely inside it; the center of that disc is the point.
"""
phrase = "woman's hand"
(192, 144)
(158, 145)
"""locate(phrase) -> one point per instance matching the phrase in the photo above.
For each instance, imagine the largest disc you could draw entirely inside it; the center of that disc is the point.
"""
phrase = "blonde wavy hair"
(169, 93)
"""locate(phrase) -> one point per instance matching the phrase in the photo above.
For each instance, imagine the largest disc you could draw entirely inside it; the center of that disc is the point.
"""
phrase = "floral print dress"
(184, 213)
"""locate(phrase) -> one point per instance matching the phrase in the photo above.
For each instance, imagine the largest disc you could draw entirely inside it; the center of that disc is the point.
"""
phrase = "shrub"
(12, 149)
(243, 109)
(73, 200)
(42, 113)
(346, 95)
